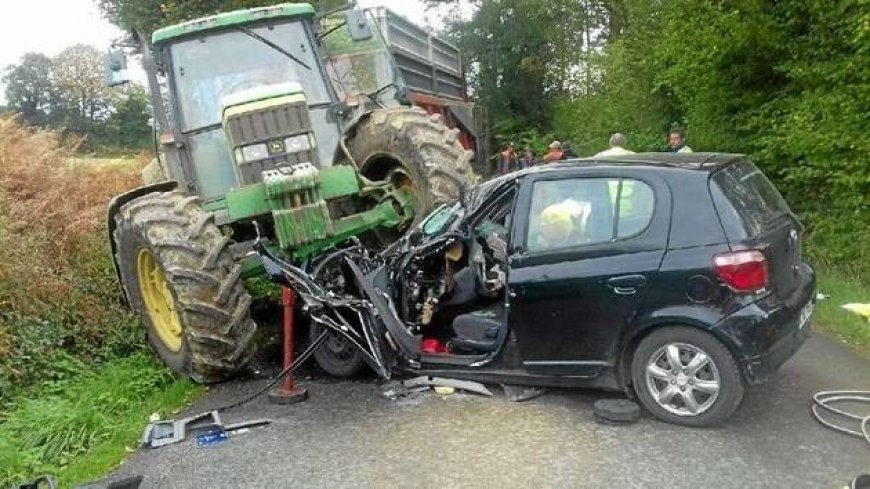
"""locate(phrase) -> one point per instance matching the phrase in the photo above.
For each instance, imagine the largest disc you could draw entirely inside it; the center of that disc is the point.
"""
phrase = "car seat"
(480, 331)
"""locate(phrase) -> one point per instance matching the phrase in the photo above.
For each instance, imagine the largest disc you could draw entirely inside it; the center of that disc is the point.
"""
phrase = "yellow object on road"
(862, 310)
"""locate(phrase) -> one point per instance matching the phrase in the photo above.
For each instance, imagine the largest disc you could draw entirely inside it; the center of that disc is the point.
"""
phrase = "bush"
(59, 302)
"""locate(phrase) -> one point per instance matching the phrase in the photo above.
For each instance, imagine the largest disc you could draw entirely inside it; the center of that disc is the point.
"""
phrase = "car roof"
(706, 162)
(688, 161)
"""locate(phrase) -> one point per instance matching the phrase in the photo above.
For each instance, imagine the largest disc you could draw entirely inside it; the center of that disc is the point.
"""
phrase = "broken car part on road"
(161, 433)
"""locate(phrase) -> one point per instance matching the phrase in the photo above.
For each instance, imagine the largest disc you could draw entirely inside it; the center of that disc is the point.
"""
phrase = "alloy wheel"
(682, 379)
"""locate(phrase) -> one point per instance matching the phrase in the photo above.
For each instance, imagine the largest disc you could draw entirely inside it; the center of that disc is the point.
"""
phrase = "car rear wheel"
(686, 376)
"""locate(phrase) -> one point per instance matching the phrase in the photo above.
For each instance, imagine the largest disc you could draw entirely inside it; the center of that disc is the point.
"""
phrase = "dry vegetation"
(56, 286)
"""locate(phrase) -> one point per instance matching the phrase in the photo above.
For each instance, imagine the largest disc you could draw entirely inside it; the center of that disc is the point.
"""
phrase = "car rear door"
(570, 297)
(755, 216)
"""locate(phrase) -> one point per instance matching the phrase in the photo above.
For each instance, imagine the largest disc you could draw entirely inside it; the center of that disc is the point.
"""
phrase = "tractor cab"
(253, 90)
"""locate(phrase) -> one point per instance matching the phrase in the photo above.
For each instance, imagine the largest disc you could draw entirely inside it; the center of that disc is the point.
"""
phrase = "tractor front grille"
(270, 126)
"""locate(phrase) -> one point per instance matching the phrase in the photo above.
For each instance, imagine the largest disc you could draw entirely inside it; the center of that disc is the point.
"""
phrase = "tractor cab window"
(208, 69)
(362, 72)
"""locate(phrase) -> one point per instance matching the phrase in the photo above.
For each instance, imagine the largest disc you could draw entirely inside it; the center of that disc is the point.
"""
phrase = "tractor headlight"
(298, 143)
(255, 152)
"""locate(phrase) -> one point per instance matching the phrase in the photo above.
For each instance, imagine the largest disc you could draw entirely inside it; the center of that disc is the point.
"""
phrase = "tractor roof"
(234, 18)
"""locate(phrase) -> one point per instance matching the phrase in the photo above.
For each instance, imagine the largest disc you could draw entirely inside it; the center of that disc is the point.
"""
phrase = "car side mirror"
(358, 25)
(116, 68)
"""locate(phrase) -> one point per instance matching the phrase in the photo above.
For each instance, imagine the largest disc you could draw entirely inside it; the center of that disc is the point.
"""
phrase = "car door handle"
(626, 284)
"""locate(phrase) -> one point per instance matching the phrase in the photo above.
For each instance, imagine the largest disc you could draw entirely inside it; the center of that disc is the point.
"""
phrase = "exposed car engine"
(452, 277)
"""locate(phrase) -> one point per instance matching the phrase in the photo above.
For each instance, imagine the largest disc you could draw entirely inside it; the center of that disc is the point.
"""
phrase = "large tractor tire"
(179, 274)
(415, 150)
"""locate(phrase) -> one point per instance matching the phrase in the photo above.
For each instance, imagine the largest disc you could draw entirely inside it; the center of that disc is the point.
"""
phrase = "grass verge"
(837, 322)
(80, 429)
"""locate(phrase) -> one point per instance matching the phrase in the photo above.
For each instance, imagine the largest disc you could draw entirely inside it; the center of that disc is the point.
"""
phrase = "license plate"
(805, 314)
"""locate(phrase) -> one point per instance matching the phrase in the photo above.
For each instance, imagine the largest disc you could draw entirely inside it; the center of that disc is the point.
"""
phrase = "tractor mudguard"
(115, 205)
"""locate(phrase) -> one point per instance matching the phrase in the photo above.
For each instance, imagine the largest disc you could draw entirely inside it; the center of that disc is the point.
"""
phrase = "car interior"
(455, 294)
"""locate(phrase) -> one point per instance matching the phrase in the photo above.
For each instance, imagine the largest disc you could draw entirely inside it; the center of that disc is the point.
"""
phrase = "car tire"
(694, 392)
(336, 356)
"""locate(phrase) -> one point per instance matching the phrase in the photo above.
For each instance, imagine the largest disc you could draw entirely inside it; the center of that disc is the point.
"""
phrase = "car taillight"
(743, 271)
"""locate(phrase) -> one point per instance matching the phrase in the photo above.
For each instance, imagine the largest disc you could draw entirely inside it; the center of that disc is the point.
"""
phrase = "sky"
(49, 26)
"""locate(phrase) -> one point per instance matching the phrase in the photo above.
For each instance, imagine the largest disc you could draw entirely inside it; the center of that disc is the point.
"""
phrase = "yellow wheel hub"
(159, 303)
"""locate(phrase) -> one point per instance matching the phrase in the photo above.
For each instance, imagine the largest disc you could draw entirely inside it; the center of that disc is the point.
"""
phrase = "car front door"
(585, 246)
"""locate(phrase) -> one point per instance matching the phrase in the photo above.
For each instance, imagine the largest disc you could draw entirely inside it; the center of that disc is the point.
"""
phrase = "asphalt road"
(349, 435)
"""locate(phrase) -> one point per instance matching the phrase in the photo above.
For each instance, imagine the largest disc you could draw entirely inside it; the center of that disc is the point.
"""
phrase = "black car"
(675, 278)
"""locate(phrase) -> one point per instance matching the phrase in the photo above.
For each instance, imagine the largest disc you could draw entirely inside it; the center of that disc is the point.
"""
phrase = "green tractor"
(277, 124)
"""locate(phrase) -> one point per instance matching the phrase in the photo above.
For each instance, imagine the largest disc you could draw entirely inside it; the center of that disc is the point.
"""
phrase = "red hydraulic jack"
(287, 391)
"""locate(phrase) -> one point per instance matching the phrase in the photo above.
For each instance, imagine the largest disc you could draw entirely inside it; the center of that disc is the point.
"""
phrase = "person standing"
(507, 161)
(555, 153)
(617, 146)
(677, 142)
(527, 160)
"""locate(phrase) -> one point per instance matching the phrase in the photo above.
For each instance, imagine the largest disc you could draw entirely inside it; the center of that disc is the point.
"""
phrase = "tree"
(28, 88)
(526, 56)
(82, 98)
(128, 127)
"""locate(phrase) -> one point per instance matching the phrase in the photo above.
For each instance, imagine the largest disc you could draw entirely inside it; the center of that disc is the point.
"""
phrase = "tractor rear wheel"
(179, 274)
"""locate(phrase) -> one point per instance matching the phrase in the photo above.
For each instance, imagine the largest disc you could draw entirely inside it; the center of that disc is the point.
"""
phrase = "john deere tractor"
(276, 124)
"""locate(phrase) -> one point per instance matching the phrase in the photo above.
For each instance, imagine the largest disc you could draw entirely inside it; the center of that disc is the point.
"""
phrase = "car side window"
(636, 203)
(585, 211)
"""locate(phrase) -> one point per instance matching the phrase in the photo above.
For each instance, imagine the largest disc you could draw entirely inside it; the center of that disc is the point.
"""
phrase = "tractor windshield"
(360, 71)
(208, 69)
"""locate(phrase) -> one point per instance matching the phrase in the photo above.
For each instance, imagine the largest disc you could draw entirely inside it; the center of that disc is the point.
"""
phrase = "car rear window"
(746, 200)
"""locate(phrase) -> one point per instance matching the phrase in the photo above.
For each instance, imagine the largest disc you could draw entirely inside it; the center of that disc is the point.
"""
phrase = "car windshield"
(440, 219)
(208, 69)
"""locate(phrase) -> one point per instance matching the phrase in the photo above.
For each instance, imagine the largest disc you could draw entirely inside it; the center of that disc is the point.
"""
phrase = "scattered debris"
(838, 419)
(444, 390)
(465, 385)
(822, 297)
(161, 433)
(397, 390)
(50, 482)
(129, 482)
(212, 438)
(520, 393)
(616, 411)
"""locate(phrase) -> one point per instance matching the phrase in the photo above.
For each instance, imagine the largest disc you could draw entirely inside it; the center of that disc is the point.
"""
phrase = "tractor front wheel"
(179, 274)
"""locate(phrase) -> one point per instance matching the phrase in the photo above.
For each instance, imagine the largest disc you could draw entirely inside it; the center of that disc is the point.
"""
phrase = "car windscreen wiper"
(274, 46)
